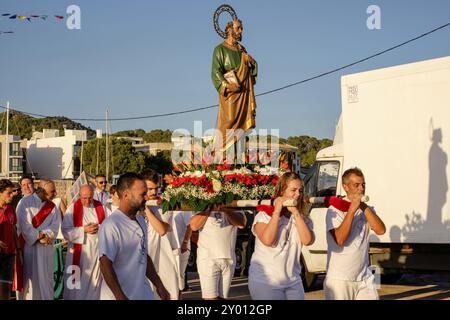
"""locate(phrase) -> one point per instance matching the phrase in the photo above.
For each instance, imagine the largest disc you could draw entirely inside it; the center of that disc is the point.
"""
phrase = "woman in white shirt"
(280, 234)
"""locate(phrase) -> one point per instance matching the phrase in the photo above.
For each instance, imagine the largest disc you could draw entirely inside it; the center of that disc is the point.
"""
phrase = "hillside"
(22, 125)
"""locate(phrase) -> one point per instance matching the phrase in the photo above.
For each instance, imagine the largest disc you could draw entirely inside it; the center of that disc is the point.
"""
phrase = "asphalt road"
(409, 287)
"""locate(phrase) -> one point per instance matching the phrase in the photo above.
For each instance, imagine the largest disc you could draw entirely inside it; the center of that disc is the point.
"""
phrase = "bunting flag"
(29, 17)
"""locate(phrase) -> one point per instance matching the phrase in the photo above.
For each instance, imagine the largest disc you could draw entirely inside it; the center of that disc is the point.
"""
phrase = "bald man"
(82, 276)
(39, 220)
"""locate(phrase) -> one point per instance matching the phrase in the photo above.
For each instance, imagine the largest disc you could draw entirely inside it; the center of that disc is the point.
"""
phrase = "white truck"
(394, 126)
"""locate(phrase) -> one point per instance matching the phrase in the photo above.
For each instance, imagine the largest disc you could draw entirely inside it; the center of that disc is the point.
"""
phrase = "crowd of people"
(121, 246)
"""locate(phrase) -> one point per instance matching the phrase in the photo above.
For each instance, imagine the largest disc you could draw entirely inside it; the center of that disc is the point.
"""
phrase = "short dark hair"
(356, 171)
(126, 181)
(151, 175)
(5, 184)
(113, 189)
(26, 178)
(100, 175)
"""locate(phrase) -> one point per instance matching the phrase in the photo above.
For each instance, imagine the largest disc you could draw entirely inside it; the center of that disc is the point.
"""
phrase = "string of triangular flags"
(29, 17)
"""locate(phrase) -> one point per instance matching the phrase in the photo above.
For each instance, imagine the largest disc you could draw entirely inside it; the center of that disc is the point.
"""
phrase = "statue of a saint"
(234, 74)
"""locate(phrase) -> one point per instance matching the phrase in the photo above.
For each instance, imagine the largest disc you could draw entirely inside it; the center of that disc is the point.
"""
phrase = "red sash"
(45, 211)
(38, 219)
(78, 222)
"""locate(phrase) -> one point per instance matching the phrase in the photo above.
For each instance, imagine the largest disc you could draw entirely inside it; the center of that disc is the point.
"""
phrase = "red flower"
(223, 167)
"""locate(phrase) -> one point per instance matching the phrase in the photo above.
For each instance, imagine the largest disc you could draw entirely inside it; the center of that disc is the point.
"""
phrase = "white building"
(11, 160)
(53, 157)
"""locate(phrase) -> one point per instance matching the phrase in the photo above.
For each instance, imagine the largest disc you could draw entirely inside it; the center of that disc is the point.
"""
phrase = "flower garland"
(200, 187)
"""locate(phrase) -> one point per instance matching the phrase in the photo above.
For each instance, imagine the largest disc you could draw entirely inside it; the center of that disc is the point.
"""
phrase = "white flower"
(198, 173)
(244, 170)
(217, 185)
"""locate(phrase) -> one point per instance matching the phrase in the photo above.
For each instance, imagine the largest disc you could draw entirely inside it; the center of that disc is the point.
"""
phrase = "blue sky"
(150, 57)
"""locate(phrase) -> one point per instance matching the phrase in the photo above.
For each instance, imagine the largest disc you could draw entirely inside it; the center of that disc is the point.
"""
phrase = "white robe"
(90, 277)
(38, 258)
(163, 257)
(179, 221)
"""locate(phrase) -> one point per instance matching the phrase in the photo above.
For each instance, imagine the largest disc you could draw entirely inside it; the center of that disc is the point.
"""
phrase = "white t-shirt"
(217, 238)
(124, 242)
(277, 265)
(349, 262)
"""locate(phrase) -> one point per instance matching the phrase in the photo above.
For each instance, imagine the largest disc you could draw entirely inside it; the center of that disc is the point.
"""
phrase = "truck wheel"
(308, 278)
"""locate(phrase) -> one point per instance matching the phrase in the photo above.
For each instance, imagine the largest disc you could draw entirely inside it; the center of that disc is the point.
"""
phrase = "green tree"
(124, 158)
(308, 147)
(158, 135)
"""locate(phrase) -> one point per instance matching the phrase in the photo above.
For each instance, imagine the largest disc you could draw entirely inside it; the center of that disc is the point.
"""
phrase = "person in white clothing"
(100, 193)
(82, 277)
(39, 221)
(280, 233)
(179, 236)
(216, 256)
(113, 202)
(159, 248)
(124, 260)
(348, 227)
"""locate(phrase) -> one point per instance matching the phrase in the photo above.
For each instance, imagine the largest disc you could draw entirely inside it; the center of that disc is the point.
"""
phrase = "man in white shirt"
(348, 227)
(100, 193)
(124, 261)
(39, 221)
(80, 227)
(216, 257)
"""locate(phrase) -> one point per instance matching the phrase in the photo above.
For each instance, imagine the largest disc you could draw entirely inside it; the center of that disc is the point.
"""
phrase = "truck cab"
(323, 179)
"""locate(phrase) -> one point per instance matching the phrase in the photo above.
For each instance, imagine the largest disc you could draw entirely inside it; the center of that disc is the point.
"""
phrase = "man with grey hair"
(348, 223)
(82, 276)
(39, 220)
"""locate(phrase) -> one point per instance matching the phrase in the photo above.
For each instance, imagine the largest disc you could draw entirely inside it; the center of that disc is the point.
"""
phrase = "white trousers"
(349, 290)
(215, 277)
(262, 291)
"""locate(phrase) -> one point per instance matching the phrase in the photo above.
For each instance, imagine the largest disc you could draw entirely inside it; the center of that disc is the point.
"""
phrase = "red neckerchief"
(78, 222)
(338, 203)
(267, 209)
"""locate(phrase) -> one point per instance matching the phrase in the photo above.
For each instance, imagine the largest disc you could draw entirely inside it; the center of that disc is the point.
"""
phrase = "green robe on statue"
(237, 110)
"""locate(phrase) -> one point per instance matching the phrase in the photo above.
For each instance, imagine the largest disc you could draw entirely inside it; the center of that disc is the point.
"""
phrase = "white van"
(394, 126)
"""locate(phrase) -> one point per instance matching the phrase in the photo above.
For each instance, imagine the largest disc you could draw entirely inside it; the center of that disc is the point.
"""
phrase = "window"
(16, 164)
(321, 180)
(15, 149)
(327, 178)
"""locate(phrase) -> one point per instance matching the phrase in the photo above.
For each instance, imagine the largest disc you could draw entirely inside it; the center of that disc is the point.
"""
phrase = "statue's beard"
(236, 36)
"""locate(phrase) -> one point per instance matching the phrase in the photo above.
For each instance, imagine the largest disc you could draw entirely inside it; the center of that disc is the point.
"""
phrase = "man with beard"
(234, 75)
(124, 261)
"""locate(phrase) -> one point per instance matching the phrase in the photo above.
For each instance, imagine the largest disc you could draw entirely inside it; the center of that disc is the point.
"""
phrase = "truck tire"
(308, 278)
